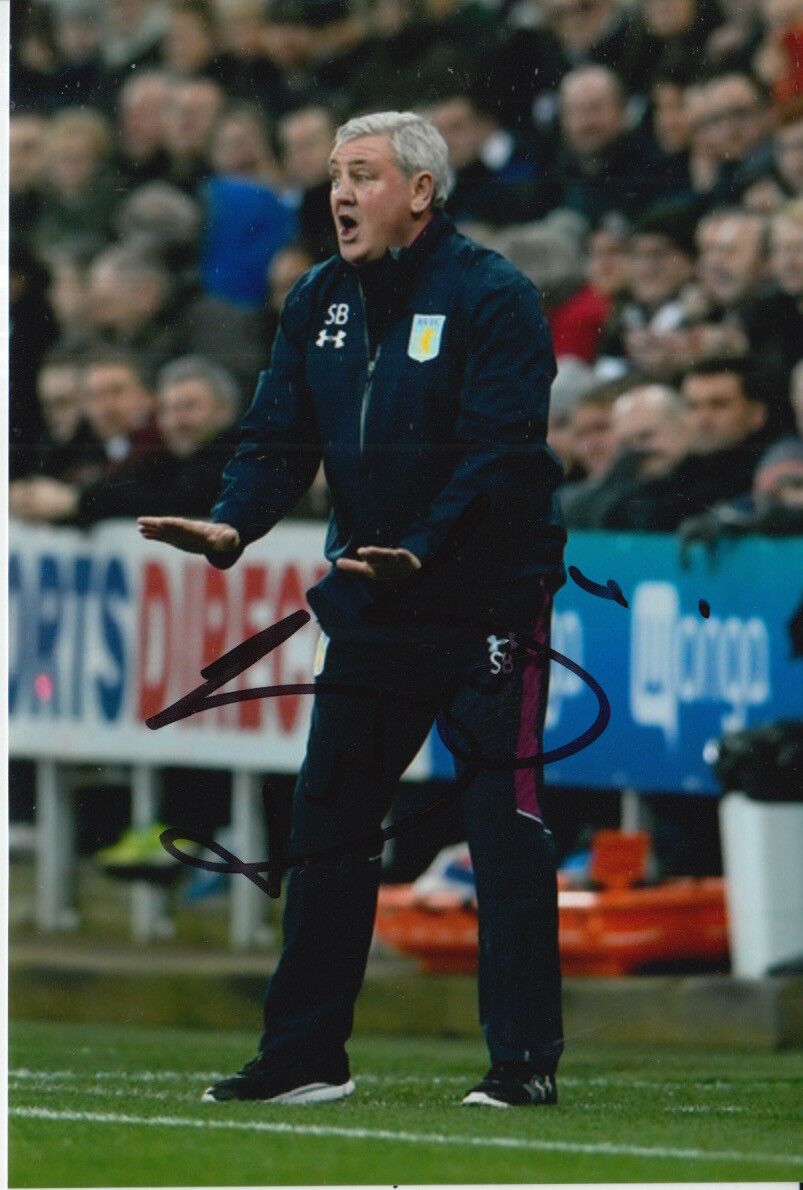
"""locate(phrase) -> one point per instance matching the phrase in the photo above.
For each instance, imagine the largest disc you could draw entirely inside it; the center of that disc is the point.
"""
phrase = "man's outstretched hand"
(384, 565)
(197, 537)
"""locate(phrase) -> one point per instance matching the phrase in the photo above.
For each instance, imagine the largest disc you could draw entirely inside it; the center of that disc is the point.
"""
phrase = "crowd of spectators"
(640, 160)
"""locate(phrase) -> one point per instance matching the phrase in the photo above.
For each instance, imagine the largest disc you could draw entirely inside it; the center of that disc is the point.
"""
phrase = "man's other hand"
(383, 565)
(196, 537)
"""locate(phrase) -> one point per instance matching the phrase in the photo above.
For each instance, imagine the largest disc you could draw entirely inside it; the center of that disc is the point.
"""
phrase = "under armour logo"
(338, 338)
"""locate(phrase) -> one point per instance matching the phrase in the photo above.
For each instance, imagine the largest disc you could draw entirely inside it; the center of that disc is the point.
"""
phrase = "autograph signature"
(388, 606)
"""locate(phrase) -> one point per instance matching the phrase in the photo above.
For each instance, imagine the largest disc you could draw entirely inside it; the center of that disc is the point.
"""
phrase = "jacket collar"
(401, 264)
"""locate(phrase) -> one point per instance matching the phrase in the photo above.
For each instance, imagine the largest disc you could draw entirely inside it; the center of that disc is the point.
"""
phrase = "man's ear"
(423, 192)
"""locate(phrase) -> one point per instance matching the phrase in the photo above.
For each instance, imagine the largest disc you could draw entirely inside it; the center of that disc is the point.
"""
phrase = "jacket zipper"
(371, 366)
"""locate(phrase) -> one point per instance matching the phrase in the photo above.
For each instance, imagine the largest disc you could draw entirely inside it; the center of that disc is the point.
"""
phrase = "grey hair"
(198, 367)
(417, 145)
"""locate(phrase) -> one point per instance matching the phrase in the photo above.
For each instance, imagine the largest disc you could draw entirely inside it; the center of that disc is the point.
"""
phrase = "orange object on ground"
(615, 930)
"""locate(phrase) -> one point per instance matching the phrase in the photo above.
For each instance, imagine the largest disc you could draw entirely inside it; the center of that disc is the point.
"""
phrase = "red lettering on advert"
(153, 660)
(254, 598)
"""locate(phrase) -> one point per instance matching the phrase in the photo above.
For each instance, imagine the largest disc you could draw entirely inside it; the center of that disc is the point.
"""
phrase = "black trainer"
(513, 1084)
(320, 1082)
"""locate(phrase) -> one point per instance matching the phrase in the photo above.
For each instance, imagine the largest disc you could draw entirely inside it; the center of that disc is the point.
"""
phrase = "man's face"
(789, 154)
(462, 128)
(607, 262)
(72, 162)
(115, 400)
(731, 261)
(58, 387)
(644, 424)
(239, 149)
(189, 414)
(657, 269)
(733, 117)
(593, 437)
(718, 413)
(285, 268)
(668, 18)
(142, 117)
(190, 115)
(578, 24)
(592, 114)
(786, 256)
(374, 204)
(670, 117)
(306, 138)
(118, 303)
(26, 150)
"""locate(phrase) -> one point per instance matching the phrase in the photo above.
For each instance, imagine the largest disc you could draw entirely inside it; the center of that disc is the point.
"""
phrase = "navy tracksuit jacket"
(422, 381)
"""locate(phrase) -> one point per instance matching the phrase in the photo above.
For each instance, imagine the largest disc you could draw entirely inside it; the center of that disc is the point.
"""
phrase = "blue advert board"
(675, 679)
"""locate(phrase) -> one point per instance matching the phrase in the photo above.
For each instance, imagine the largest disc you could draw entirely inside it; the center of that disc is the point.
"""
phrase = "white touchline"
(195, 1076)
(420, 1138)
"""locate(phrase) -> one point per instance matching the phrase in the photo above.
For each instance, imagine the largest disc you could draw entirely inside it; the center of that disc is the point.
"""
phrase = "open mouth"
(346, 227)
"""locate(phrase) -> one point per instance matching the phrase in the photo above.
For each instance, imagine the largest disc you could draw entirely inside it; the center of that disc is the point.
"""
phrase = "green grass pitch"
(119, 1106)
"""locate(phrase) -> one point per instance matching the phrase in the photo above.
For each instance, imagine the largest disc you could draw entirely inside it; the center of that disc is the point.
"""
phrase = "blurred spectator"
(679, 26)
(68, 451)
(32, 330)
(142, 156)
(78, 196)
(788, 146)
(306, 137)
(495, 181)
(594, 443)
(241, 146)
(796, 396)
(286, 267)
(193, 107)
(650, 437)
(734, 116)
(133, 305)
(726, 413)
(551, 255)
(602, 167)
(160, 220)
(132, 34)
(660, 263)
(118, 408)
(607, 256)
(196, 406)
(245, 69)
(197, 403)
(246, 223)
(33, 58)
(27, 139)
(573, 380)
(78, 31)
(778, 62)
(68, 264)
(605, 33)
(189, 46)
(774, 507)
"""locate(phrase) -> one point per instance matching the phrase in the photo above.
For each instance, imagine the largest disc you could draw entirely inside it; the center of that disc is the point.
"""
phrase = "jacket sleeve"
(279, 451)
(503, 414)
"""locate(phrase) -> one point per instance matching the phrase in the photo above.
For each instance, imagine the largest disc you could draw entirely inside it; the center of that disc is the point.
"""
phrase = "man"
(601, 166)
(726, 411)
(496, 181)
(651, 436)
(305, 137)
(660, 263)
(118, 407)
(418, 365)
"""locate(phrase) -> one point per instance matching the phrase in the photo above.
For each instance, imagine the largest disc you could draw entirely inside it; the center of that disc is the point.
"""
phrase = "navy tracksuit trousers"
(360, 743)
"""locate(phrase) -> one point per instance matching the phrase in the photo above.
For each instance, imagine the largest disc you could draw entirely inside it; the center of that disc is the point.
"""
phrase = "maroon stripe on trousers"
(535, 689)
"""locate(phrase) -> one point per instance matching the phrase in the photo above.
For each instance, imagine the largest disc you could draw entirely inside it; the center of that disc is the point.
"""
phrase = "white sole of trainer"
(310, 1093)
(480, 1099)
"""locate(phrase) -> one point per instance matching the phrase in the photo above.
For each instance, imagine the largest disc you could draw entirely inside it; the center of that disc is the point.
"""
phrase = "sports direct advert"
(107, 629)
